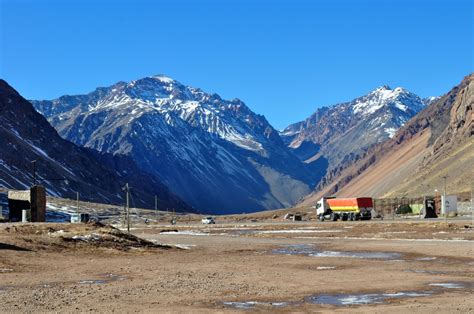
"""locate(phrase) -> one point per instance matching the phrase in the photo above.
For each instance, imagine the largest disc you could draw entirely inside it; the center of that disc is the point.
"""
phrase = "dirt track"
(280, 266)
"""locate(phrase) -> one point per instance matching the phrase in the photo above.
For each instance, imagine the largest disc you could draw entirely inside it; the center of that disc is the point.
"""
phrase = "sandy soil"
(283, 267)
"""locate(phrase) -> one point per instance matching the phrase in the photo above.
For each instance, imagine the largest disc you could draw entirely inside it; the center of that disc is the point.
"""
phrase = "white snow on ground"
(88, 237)
(448, 285)
(426, 259)
(183, 246)
(177, 245)
(391, 239)
(299, 231)
(325, 267)
(193, 233)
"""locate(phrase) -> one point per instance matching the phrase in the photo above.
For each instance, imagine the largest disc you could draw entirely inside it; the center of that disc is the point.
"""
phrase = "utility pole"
(443, 205)
(156, 206)
(77, 194)
(126, 188)
(472, 205)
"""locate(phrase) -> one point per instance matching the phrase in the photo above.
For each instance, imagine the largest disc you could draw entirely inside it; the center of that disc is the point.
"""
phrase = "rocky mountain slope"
(342, 132)
(216, 154)
(64, 168)
(437, 142)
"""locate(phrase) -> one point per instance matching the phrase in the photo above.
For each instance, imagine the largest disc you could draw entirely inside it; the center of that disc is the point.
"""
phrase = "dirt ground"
(361, 267)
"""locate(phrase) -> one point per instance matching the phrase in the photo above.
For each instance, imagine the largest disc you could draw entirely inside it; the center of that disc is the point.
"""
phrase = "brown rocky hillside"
(438, 141)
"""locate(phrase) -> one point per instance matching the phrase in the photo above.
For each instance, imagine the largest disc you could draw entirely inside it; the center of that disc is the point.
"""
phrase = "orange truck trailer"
(357, 208)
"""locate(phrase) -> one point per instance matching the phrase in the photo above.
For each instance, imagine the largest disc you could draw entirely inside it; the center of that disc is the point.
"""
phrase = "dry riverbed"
(277, 267)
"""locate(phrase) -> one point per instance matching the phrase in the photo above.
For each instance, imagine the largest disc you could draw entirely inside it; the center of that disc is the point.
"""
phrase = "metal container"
(75, 218)
(80, 217)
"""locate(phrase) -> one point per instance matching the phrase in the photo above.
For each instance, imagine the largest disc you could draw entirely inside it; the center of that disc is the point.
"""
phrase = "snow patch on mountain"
(391, 132)
(385, 96)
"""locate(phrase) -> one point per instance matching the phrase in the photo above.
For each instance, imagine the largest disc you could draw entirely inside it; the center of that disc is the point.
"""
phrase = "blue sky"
(283, 58)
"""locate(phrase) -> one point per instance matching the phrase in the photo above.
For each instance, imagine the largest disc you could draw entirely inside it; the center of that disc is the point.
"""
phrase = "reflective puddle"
(107, 278)
(348, 299)
(357, 299)
(92, 282)
(252, 304)
(309, 250)
(431, 272)
(449, 285)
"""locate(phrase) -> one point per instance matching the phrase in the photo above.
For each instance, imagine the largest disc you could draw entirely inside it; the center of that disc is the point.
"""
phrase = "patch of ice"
(362, 255)
(87, 237)
(193, 233)
(448, 285)
(360, 299)
(5, 270)
(183, 246)
(298, 231)
(432, 258)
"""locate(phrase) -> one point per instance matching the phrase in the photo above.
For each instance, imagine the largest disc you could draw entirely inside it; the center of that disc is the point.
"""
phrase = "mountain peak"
(383, 88)
(163, 78)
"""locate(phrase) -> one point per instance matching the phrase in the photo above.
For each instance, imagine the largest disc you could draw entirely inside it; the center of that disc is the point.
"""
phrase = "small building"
(293, 217)
(33, 199)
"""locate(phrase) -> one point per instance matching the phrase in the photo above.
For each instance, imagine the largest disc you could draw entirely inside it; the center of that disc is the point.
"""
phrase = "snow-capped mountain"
(438, 139)
(216, 154)
(64, 168)
(342, 132)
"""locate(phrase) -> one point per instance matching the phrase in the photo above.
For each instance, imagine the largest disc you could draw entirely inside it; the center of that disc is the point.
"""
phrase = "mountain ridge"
(63, 167)
(436, 142)
(193, 141)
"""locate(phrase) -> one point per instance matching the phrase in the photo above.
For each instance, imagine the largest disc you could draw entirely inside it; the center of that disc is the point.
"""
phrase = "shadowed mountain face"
(437, 142)
(64, 168)
(216, 154)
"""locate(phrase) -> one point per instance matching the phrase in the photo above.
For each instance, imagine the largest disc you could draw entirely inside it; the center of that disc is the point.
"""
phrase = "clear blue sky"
(283, 58)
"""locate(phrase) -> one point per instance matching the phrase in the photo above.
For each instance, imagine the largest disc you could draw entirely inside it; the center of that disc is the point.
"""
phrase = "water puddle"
(423, 271)
(426, 259)
(449, 285)
(363, 255)
(107, 278)
(249, 305)
(348, 299)
(309, 250)
(185, 232)
(358, 299)
(92, 282)
(299, 231)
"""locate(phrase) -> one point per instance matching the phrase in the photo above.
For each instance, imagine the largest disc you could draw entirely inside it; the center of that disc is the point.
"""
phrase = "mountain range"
(215, 154)
(64, 168)
(434, 150)
(193, 147)
(342, 132)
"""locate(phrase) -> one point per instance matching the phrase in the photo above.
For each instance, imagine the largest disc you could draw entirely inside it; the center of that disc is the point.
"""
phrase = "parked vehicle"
(358, 208)
(208, 220)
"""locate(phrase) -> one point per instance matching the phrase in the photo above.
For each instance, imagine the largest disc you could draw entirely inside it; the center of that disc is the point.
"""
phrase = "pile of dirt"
(53, 236)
